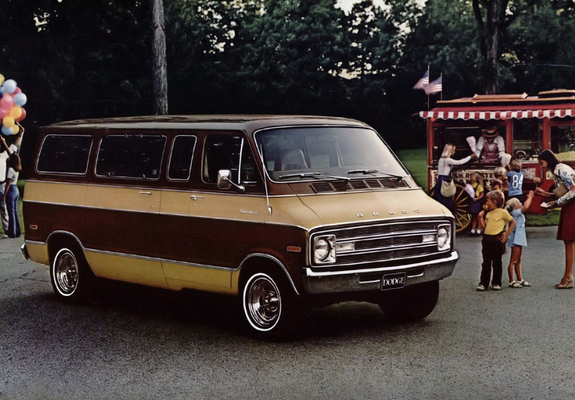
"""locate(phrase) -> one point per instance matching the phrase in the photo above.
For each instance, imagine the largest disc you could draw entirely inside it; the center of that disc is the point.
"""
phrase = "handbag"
(560, 191)
(447, 188)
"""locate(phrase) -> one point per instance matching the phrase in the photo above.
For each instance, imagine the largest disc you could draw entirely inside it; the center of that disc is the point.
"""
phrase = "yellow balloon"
(16, 112)
(8, 121)
(2, 79)
(16, 129)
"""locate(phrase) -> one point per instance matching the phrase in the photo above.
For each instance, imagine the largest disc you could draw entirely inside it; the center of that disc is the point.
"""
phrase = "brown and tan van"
(285, 212)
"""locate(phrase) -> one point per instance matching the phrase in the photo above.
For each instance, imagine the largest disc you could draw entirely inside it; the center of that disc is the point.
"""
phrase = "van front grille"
(384, 244)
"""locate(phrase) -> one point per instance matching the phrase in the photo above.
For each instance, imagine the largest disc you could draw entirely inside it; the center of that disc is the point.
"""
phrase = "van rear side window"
(130, 156)
(64, 154)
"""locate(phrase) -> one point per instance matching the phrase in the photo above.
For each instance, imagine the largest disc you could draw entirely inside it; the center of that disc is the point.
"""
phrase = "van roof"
(225, 121)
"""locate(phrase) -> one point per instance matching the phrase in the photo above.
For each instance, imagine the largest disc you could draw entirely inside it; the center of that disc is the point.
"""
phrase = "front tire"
(412, 303)
(269, 306)
(71, 277)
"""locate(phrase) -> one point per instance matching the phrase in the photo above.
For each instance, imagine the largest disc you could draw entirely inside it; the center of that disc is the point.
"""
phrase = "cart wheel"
(460, 203)
(460, 207)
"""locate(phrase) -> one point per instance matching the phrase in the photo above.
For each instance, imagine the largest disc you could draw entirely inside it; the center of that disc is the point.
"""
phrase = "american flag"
(434, 87)
(423, 82)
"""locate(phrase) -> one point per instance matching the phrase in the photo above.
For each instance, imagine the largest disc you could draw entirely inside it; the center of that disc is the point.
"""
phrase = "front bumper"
(370, 279)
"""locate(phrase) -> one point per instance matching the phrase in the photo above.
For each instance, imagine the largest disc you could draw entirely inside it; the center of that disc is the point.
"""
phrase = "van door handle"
(148, 193)
(194, 197)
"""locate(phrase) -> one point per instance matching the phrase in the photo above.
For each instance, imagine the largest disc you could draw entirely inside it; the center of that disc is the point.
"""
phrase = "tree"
(160, 80)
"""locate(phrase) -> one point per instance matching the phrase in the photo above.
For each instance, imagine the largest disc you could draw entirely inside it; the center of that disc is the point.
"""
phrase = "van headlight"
(443, 237)
(324, 249)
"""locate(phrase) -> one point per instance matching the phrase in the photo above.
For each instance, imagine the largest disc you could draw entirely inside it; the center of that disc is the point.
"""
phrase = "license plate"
(393, 281)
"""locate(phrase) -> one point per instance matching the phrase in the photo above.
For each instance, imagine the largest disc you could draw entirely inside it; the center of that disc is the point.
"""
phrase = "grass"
(415, 160)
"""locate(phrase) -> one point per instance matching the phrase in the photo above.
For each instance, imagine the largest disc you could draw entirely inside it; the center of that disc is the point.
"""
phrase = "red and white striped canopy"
(486, 115)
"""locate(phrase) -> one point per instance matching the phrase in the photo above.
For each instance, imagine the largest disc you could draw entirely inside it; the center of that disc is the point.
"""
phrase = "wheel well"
(265, 265)
(57, 241)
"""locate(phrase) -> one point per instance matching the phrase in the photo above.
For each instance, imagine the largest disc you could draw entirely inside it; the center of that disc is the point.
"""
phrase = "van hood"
(345, 208)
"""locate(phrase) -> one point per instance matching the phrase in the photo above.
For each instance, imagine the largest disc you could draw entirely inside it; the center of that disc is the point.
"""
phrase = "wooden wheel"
(460, 206)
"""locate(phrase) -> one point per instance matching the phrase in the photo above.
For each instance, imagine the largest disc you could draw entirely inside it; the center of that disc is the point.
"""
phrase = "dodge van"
(284, 212)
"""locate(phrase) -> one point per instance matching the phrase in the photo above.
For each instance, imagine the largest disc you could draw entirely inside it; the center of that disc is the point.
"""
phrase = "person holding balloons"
(4, 157)
(11, 193)
(12, 112)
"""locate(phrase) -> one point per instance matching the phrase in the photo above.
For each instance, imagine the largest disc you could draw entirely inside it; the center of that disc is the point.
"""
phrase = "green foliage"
(91, 58)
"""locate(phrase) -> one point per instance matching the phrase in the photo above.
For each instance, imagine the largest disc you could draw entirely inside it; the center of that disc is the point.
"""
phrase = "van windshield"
(306, 153)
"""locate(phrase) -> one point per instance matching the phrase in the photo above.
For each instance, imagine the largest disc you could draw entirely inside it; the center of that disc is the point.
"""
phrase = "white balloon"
(9, 86)
(20, 99)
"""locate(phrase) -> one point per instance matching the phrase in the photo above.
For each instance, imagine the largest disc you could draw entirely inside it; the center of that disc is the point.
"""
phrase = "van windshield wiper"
(363, 171)
(374, 171)
(300, 175)
(315, 175)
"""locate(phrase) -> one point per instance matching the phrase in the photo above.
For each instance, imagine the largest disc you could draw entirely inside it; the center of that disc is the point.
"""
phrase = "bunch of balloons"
(12, 101)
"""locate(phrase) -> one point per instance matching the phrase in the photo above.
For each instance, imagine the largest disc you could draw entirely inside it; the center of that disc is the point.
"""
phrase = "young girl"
(494, 238)
(517, 239)
(474, 207)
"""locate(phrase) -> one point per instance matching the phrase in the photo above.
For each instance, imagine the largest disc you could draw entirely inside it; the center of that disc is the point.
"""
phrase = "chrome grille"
(385, 243)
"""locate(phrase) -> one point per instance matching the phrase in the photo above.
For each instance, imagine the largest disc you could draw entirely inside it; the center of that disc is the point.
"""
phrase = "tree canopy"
(93, 58)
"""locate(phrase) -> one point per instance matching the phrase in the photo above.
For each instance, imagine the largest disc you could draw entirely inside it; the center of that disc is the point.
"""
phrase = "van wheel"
(412, 303)
(269, 306)
(71, 277)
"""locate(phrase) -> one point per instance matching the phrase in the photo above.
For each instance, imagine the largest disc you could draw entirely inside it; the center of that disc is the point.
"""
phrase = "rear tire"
(270, 307)
(412, 303)
(71, 277)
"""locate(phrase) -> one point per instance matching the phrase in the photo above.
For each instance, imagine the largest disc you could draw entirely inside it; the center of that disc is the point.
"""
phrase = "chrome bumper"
(370, 279)
(24, 251)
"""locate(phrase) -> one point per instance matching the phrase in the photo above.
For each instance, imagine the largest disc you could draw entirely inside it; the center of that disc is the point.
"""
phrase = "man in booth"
(490, 146)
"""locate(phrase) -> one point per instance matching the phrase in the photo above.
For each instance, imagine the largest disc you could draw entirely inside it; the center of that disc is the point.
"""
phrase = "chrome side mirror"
(225, 181)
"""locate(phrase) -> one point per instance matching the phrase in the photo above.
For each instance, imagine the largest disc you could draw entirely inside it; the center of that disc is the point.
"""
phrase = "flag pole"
(441, 75)
(428, 75)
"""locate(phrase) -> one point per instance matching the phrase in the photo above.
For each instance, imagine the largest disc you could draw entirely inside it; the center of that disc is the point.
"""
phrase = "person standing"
(476, 202)
(490, 146)
(444, 165)
(494, 238)
(515, 179)
(4, 155)
(518, 239)
(11, 195)
(563, 175)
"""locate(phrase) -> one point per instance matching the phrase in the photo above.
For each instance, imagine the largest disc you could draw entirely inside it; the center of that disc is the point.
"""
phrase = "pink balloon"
(18, 90)
(4, 112)
(7, 101)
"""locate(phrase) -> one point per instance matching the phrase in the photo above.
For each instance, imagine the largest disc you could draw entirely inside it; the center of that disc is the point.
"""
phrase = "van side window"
(130, 156)
(228, 152)
(221, 152)
(181, 157)
(64, 154)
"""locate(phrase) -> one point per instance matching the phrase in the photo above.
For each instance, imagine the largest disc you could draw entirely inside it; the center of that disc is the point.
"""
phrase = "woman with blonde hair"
(444, 165)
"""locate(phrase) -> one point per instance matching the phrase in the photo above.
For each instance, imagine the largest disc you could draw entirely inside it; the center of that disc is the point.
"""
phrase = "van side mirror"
(225, 181)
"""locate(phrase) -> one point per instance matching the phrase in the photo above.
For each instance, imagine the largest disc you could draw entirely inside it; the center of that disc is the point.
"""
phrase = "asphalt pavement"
(151, 344)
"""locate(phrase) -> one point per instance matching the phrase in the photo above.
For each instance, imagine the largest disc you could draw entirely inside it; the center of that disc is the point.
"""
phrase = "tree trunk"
(159, 65)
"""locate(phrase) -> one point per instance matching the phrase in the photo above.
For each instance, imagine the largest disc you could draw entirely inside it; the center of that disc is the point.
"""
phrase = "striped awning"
(486, 115)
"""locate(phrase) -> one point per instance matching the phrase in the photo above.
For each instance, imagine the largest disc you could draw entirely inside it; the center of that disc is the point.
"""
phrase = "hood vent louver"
(356, 184)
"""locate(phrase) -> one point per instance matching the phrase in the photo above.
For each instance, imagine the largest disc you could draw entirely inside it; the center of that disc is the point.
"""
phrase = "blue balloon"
(7, 131)
(20, 99)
